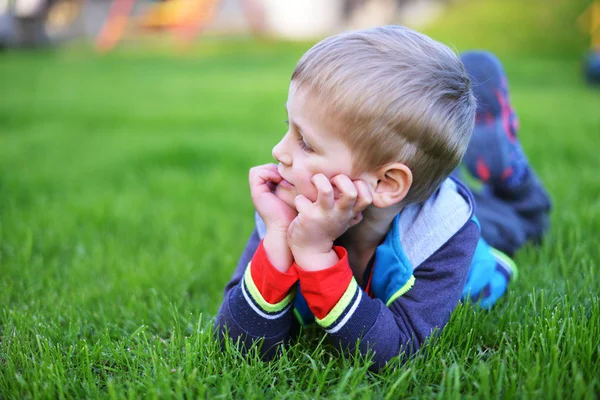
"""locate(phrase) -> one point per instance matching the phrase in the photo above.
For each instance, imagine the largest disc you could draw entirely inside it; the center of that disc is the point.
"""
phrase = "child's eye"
(304, 146)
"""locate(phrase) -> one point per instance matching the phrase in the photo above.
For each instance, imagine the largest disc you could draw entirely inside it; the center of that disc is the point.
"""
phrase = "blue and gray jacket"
(416, 281)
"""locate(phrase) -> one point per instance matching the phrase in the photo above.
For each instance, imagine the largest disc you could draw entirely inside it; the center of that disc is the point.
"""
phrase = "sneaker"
(505, 265)
(489, 277)
(494, 155)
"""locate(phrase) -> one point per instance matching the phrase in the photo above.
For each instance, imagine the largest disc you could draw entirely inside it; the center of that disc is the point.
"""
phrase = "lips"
(285, 184)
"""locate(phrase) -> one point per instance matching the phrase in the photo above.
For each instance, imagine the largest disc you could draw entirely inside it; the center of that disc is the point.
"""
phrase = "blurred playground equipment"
(589, 22)
(185, 18)
(291, 19)
(32, 23)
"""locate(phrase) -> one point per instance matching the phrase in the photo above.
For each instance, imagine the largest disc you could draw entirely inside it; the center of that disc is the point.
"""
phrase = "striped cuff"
(257, 302)
(273, 285)
(266, 289)
(343, 310)
(324, 289)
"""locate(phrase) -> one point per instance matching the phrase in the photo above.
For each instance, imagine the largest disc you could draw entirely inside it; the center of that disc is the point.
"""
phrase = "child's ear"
(392, 185)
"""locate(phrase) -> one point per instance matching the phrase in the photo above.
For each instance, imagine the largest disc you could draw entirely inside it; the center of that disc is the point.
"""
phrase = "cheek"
(303, 183)
(305, 187)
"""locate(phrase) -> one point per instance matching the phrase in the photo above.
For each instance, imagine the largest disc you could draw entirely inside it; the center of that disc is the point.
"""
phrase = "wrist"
(315, 260)
(279, 226)
(277, 250)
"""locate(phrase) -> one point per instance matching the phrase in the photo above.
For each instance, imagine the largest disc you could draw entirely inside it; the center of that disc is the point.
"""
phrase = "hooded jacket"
(410, 289)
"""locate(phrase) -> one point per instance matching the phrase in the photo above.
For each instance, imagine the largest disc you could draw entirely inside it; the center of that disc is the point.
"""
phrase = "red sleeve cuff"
(323, 289)
(272, 284)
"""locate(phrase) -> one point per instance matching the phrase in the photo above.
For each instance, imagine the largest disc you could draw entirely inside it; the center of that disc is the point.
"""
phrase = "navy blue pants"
(509, 220)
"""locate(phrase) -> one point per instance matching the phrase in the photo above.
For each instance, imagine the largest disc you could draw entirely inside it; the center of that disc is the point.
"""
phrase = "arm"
(410, 319)
(252, 309)
(258, 299)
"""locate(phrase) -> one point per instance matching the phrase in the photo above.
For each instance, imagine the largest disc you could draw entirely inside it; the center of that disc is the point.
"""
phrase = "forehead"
(314, 116)
(301, 99)
(305, 107)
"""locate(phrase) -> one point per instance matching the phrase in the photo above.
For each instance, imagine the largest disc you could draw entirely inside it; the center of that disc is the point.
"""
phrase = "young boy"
(359, 226)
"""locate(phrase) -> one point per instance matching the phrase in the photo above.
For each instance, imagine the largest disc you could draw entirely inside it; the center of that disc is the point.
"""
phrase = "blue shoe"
(491, 272)
(494, 154)
(505, 265)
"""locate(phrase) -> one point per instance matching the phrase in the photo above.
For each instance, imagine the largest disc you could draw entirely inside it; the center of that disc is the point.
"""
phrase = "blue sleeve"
(412, 318)
(240, 317)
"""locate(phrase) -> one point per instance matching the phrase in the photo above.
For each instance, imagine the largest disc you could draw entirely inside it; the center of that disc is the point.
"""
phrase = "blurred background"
(34, 23)
(44, 22)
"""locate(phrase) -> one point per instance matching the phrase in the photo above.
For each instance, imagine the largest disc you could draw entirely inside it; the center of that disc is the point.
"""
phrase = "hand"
(312, 233)
(276, 215)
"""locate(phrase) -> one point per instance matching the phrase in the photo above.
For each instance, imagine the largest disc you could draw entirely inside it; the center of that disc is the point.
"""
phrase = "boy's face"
(309, 147)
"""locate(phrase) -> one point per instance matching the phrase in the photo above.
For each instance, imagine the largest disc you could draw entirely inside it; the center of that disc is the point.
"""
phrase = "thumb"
(357, 218)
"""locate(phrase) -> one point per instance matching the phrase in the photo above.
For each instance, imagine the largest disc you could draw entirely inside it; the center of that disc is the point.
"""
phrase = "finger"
(325, 198)
(302, 204)
(260, 178)
(348, 191)
(259, 169)
(272, 183)
(364, 198)
(357, 218)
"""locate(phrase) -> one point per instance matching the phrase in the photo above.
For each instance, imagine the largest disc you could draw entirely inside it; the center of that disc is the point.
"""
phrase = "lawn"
(124, 207)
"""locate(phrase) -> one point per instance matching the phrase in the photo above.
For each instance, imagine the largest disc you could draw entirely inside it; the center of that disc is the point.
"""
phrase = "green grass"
(124, 207)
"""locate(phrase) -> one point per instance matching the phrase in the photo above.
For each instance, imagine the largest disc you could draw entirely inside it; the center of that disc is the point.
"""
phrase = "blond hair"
(397, 96)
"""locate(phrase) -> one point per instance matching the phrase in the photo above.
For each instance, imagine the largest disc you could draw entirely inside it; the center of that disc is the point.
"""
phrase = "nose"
(280, 152)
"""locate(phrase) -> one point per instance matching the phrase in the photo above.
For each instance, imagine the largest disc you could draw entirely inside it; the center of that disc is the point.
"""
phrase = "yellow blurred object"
(63, 13)
(589, 22)
(178, 13)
